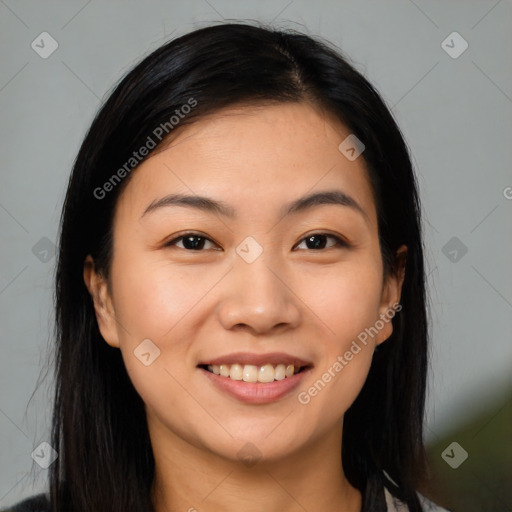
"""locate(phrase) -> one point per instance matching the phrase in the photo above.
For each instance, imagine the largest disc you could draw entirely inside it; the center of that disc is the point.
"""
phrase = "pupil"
(189, 244)
(318, 245)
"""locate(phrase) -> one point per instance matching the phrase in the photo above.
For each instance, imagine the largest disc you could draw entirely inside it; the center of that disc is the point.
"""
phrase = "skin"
(196, 305)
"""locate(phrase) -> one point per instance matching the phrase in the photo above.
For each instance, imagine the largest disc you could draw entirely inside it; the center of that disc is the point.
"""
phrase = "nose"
(257, 297)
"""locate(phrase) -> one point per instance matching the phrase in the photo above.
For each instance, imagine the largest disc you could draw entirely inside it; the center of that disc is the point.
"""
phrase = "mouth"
(251, 373)
(256, 379)
(263, 368)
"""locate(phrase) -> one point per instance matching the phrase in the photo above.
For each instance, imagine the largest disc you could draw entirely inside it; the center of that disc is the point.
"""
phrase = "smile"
(255, 378)
(252, 373)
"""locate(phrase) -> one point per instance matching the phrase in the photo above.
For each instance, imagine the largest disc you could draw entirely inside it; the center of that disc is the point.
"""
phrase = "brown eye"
(318, 241)
(190, 241)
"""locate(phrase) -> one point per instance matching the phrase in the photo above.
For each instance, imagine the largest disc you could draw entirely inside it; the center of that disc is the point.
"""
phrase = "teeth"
(266, 373)
(252, 373)
(280, 372)
(236, 372)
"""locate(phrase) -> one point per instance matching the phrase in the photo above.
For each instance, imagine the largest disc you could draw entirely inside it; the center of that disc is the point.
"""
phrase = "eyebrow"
(206, 204)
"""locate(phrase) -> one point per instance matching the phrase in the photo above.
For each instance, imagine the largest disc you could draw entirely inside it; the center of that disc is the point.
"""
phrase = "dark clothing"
(40, 503)
(37, 503)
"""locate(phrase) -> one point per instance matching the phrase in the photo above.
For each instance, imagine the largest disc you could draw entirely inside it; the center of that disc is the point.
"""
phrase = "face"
(250, 277)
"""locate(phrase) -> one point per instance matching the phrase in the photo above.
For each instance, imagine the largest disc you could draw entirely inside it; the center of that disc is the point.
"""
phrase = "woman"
(240, 293)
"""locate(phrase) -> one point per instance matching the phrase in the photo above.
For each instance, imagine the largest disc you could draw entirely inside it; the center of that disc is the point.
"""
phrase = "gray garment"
(395, 505)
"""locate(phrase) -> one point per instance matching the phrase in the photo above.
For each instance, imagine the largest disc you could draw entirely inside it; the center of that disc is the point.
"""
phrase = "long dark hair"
(99, 426)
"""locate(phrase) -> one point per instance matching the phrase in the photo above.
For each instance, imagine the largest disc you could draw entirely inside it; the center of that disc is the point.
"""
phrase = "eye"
(196, 242)
(317, 241)
(191, 241)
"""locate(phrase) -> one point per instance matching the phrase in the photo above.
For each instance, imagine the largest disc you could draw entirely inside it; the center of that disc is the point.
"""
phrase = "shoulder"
(36, 503)
(395, 505)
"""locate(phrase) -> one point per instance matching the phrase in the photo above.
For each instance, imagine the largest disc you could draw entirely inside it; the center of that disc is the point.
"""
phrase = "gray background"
(455, 113)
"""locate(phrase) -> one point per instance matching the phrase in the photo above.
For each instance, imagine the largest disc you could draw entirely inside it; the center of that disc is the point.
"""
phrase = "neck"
(188, 478)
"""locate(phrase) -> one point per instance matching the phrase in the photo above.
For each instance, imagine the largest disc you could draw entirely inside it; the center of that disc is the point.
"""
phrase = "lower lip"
(256, 392)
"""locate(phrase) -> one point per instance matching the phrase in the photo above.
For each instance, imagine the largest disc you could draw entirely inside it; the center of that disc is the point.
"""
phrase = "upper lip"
(258, 359)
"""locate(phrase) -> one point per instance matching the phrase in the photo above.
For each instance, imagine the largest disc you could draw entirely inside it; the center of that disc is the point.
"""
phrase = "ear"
(103, 307)
(391, 293)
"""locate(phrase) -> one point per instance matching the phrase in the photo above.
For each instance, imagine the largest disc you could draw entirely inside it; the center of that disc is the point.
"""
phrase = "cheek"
(336, 381)
(153, 298)
(347, 301)
(165, 304)
(152, 313)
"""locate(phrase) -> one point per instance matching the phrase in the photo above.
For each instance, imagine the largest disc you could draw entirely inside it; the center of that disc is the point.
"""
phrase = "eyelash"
(339, 242)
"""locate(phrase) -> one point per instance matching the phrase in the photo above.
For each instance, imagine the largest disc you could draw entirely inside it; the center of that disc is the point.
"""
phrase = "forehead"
(251, 157)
